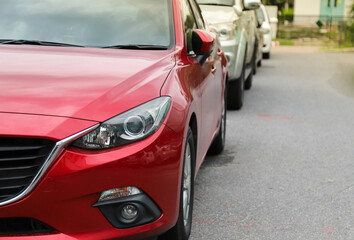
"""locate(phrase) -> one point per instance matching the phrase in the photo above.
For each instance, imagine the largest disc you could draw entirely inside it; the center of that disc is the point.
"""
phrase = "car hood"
(218, 14)
(81, 83)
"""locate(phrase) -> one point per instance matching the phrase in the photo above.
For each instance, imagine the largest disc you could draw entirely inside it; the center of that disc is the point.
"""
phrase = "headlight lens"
(226, 31)
(131, 126)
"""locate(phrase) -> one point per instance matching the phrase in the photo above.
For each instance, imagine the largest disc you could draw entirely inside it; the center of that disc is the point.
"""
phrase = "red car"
(107, 110)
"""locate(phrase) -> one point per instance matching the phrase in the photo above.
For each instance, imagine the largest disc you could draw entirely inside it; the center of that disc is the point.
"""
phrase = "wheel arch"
(193, 124)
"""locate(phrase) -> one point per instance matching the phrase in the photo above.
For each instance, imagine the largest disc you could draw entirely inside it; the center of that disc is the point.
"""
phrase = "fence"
(333, 29)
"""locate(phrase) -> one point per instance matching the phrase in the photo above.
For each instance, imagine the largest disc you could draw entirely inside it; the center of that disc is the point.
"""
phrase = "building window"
(328, 3)
(335, 3)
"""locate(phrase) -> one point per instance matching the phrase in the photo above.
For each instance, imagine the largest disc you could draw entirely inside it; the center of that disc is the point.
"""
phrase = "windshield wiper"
(145, 47)
(46, 43)
(216, 4)
(36, 42)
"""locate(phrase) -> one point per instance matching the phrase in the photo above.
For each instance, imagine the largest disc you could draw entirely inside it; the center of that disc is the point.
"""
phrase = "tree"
(282, 4)
(350, 25)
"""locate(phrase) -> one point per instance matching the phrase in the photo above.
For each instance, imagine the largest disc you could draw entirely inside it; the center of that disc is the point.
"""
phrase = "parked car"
(266, 29)
(259, 43)
(107, 111)
(235, 24)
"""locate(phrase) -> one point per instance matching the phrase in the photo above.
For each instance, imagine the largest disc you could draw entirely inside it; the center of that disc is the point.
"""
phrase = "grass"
(285, 42)
(325, 44)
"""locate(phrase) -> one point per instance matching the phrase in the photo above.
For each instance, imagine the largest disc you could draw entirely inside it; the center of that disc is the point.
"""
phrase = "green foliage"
(279, 3)
(300, 33)
(350, 33)
(350, 26)
(287, 15)
(275, 2)
(290, 11)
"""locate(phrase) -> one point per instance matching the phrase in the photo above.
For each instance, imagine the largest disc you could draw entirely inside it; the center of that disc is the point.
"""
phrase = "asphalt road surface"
(288, 168)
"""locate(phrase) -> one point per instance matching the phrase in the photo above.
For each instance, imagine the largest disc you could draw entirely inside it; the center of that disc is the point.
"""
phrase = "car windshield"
(260, 14)
(217, 2)
(89, 23)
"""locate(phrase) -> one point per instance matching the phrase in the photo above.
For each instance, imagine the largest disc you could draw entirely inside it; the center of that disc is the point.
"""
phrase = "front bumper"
(64, 197)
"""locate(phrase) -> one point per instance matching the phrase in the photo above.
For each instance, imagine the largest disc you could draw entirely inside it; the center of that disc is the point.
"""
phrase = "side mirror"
(238, 10)
(251, 4)
(203, 44)
(273, 20)
(265, 28)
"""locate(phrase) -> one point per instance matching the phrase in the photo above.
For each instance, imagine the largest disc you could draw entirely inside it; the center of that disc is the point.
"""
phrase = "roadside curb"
(344, 50)
(295, 48)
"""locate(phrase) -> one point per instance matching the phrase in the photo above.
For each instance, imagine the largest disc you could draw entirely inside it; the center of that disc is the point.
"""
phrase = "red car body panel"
(51, 127)
(78, 177)
(51, 82)
(53, 93)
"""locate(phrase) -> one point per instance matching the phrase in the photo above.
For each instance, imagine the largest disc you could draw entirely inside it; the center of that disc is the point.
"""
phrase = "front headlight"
(130, 126)
(226, 31)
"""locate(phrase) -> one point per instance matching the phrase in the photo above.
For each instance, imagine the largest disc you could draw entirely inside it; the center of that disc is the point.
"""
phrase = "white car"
(266, 29)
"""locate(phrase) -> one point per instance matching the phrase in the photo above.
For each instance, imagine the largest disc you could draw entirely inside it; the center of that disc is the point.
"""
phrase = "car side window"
(197, 15)
(189, 24)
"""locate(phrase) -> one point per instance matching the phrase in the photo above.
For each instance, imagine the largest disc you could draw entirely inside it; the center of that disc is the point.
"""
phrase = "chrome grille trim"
(59, 146)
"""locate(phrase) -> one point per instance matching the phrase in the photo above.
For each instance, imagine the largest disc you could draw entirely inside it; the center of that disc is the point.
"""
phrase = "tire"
(235, 90)
(249, 80)
(182, 229)
(218, 143)
(266, 55)
(254, 66)
(248, 83)
(254, 61)
(236, 93)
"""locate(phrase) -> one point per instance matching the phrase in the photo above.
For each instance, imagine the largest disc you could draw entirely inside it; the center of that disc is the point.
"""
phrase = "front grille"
(20, 160)
(14, 226)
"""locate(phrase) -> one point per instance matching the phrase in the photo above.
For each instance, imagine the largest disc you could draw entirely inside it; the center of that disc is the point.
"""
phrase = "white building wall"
(307, 7)
(348, 4)
(306, 11)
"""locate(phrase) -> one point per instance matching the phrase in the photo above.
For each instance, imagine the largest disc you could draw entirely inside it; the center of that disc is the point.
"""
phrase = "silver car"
(235, 24)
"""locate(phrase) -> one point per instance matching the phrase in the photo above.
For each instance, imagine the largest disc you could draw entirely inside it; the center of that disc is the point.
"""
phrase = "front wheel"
(235, 93)
(249, 80)
(182, 229)
(254, 60)
(235, 89)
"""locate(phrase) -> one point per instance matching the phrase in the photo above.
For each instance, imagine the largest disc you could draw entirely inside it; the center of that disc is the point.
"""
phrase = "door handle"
(219, 53)
(213, 69)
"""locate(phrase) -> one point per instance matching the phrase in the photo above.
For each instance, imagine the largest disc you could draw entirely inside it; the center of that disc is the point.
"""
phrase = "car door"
(212, 90)
(207, 78)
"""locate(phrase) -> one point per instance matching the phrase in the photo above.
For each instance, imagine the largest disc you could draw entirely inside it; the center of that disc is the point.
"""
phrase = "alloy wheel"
(187, 187)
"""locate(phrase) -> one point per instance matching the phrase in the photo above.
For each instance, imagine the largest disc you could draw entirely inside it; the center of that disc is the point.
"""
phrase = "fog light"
(130, 212)
(124, 208)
